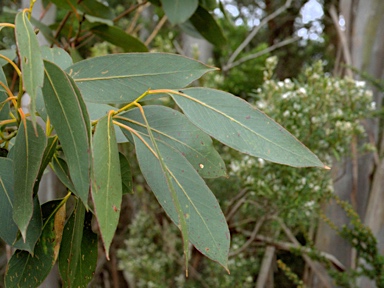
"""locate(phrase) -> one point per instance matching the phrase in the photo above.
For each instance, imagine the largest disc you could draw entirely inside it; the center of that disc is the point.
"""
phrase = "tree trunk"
(363, 180)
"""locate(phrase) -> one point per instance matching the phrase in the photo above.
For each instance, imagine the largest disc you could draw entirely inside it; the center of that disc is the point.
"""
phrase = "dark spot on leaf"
(248, 117)
(207, 249)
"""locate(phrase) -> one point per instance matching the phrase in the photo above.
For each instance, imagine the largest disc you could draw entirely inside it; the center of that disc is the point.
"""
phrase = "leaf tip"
(327, 167)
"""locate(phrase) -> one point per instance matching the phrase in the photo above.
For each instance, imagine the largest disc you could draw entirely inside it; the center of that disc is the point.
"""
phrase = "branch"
(265, 267)
(252, 237)
(256, 29)
(156, 30)
(343, 40)
(260, 53)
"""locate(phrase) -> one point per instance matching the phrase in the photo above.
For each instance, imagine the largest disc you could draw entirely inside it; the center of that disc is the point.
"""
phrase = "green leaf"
(28, 153)
(32, 67)
(9, 53)
(33, 231)
(207, 26)
(126, 175)
(25, 270)
(91, 7)
(179, 11)
(44, 29)
(8, 228)
(106, 182)
(49, 151)
(57, 55)
(4, 106)
(119, 37)
(121, 78)
(241, 126)
(173, 128)
(206, 225)
(68, 114)
(60, 167)
(87, 262)
(97, 111)
(208, 4)
(70, 250)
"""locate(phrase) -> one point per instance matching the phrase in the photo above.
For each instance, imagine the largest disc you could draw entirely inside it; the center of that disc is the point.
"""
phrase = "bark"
(364, 19)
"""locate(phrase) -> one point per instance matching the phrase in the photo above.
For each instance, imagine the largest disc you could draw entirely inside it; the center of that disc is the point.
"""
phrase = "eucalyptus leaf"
(106, 180)
(68, 114)
(173, 128)
(206, 225)
(241, 126)
(121, 78)
(178, 11)
(28, 153)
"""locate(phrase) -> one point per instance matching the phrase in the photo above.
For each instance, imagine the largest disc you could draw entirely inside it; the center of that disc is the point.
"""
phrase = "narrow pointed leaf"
(8, 228)
(241, 126)
(25, 270)
(126, 175)
(119, 37)
(60, 167)
(70, 251)
(4, 105)
(173, 128)
(91, 7)
(207, 27)
(33, 231)
(106, 182)
(68, 114)
(121, 78)
(178, 11)
(206, 225)
(49, 151)
(28, 153)
(32, 67)
(89, 249)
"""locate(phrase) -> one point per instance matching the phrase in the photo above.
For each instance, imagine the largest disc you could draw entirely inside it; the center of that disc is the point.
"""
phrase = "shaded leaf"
(69, 116)
(121, 78)
(91, 7)
(241, 126)
(32, 67)
(4, 105)
(207, 26)
(119, 37)
(70, 251)
(57, 55)
(173, 128)
(33, 230)
(126, 175)
(206, 225)
(49, 151)
(178, 11)
(25, 270)
(106, 182)
(8, 228)
(44, 29)
(28, 152)
(87, 262)
(60, 167)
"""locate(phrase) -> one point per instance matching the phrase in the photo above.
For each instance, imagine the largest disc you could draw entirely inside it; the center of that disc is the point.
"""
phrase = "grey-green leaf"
(178, 11)
(206, 225)
(28, 153)
(32, 67)
(241, 126)
(58, 56)
(173, 128)
(126, 175)
(106, 180)
(68, 114)
(121, 78)
(8, 228)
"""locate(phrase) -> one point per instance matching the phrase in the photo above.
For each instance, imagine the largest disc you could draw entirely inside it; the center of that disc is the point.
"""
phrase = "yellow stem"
(12, 63)
(7, 25)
